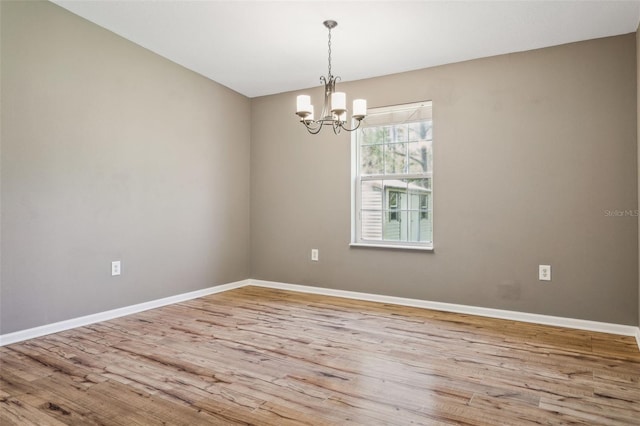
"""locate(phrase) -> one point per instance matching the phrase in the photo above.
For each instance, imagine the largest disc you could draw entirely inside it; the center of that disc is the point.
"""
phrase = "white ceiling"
(266, 47)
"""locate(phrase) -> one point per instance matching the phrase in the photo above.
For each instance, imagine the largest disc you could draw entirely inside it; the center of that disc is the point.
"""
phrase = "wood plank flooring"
(269, 357)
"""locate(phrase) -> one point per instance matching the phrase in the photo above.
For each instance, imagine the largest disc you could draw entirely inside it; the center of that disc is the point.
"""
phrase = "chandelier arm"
(351, 130)
(337, 125)
(311, 129)
(328, 90)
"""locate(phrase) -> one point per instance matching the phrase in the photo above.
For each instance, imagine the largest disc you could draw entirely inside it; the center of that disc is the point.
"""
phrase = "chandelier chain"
(329, 52)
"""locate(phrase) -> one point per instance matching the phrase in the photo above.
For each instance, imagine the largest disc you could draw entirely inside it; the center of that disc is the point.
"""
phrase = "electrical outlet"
(115, 268)
(314, 255)
(544, 272)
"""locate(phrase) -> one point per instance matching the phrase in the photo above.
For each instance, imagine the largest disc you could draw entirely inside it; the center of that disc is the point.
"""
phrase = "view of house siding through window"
(393, 176)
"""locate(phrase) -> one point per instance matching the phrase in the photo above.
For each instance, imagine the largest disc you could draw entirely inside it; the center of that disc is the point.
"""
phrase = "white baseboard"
(19, 336)
(603, 327)
(624, 330)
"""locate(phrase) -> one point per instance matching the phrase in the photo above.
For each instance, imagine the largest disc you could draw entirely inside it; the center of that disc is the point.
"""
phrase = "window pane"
(371, 225)
(415, 198)
(398, 133)
(402, 200)
(420, 228)
(396, 158)
(372, 160)
(386, 133)
(371, 135)
(395, 185)
(371, 195)
(420, 159)
(417, 187)
(420, 131)
(395, 229)
(414, 226)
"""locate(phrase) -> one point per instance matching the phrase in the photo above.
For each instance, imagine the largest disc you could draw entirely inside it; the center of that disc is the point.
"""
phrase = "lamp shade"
(303, 104)
(359, 108)
(338, 102)
(309, 116)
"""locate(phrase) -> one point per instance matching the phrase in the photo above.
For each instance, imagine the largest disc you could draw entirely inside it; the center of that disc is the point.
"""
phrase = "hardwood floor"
(271, 357)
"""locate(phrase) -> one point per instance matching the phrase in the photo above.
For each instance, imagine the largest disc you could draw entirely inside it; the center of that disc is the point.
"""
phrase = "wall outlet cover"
(116, 268)
(544, 272)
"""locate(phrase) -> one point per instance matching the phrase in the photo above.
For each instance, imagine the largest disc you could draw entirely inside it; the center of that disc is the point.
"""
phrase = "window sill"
(391, 246)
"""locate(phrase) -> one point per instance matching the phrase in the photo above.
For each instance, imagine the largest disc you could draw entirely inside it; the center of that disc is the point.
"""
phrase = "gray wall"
(530, 150)
(638, 141)
(112, 152)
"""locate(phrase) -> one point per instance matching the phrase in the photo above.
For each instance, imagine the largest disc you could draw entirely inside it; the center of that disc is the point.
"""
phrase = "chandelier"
(334, 110)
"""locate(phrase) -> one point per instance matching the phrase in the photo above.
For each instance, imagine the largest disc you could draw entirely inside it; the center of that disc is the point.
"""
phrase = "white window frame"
(357, 179)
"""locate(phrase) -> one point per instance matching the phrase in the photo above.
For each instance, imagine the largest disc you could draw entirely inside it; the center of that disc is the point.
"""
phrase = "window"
(392, 177)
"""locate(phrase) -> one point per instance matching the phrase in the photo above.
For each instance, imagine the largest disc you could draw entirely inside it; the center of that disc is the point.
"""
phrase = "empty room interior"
(442, 229)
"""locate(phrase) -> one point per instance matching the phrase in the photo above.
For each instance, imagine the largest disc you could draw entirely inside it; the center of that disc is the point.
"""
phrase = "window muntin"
(393, 173)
